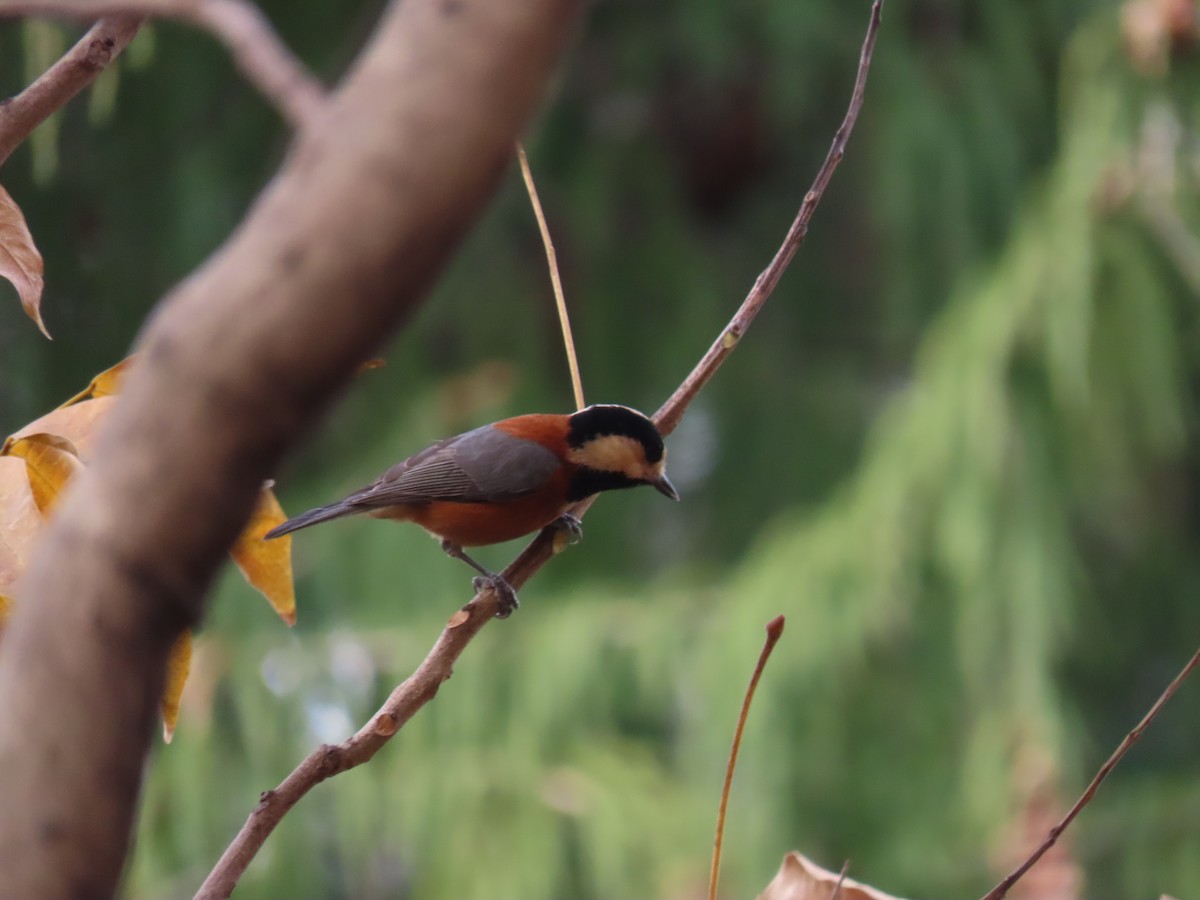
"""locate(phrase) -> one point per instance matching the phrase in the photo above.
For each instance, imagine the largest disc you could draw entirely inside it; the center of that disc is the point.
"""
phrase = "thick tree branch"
(239, 360)
(262, 57)
(78, 68)
(423, 684)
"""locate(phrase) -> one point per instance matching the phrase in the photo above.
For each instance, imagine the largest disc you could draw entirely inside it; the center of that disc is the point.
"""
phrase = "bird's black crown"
(603, 419)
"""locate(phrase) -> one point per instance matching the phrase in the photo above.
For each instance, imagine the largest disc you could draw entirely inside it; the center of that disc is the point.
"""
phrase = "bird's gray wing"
(483, 465)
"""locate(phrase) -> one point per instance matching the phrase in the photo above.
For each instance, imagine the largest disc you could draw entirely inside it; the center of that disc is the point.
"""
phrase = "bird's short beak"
(664, 487)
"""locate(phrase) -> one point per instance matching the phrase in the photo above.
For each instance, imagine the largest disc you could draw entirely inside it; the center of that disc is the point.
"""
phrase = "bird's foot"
(570, 526)
(505, 595)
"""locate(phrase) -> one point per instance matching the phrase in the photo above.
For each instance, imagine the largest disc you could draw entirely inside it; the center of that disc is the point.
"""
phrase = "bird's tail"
(312, 517)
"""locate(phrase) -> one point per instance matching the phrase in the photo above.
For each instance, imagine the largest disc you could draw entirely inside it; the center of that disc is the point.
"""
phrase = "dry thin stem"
(257, 50)
(78, 68)
(774, 632)
(552, 262)
(1002, 889)
(421, 686)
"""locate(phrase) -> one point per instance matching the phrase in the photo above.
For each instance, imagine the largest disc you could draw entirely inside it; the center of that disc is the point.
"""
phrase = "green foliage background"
(957, 451)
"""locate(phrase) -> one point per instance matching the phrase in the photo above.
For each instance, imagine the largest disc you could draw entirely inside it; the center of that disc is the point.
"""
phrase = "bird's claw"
(505, 595)
(570, 526)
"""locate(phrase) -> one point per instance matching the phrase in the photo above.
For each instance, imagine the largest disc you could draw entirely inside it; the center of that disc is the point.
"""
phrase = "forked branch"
(257, 50)
(423, 684)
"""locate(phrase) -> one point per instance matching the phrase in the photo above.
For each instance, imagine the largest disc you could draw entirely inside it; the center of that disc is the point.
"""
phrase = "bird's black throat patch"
(586, 482)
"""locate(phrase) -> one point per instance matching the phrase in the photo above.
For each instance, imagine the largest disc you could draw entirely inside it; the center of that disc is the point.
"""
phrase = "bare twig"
(78, 68)
(1002, 889)
(555, 281)
(421, 686)
(328, 760)
(240, 25)
(774, 633)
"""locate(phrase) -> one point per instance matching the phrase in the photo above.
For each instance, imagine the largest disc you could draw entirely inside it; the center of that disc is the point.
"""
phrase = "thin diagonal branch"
(671, 412)
(257, 50)
(78, 68)
(329, 760)
(420, 687)
(1001, 890)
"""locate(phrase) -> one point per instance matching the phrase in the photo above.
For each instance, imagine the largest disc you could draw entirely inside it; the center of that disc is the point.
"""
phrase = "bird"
(507, 479)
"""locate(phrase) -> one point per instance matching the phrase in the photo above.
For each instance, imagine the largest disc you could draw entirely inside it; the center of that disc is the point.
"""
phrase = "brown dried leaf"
(20, 261)
(178, 665)
(375, 363)
(267, 565)
(32, 475)
(50, 462)
(75, 423)
(799, 878)
(20, 520)
(11, 565)
(37, 461)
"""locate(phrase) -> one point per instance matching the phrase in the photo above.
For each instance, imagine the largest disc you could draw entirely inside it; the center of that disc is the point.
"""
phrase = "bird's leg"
(504, 591)
(571, 526)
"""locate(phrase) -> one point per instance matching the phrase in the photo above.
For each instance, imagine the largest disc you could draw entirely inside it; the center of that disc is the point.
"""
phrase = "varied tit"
(507, 479)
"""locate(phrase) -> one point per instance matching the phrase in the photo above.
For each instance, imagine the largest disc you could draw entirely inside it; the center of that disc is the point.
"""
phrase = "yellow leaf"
(75, 423)
(5, 609)
(799, 878)
(50, 462)
(178, 665)
(267, 565)
(210, 664)
(106, 384)
(20, 261)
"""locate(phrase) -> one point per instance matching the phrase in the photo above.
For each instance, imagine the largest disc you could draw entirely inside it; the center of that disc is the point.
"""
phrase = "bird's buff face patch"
(617, 453)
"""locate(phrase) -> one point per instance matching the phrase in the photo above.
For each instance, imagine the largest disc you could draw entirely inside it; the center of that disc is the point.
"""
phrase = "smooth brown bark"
(239, 360)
